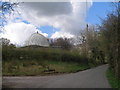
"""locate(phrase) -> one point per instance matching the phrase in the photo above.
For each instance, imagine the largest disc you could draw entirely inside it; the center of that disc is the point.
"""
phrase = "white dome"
(37, 39)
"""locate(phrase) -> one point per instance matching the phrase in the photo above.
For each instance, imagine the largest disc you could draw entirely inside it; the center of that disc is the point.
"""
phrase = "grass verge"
(114, 82)
(36, 67)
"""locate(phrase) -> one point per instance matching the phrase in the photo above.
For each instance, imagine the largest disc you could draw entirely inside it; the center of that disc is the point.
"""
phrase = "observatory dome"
(37, 39)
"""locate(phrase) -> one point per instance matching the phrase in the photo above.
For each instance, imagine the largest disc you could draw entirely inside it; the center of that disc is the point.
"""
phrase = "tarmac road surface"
(91, 78)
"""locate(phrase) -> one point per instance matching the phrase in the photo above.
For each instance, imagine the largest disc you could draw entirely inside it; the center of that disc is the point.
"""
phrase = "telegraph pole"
(86, 33)
(86, 10)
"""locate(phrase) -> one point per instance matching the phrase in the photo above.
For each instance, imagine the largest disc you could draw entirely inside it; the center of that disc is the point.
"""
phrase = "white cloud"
(49, 8)
(62, 34)
(68, 16)
(18, 33)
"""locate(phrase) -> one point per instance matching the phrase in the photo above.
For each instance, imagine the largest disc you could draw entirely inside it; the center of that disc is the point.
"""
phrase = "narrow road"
(92, 78)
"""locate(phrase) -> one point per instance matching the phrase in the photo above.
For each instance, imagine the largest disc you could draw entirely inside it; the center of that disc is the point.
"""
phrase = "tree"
(6, 9)
(63, 43)
(4, 41)
(110, 33)
(95, 53)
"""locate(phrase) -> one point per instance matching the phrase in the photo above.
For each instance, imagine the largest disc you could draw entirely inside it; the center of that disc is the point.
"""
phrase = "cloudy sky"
(52, 19)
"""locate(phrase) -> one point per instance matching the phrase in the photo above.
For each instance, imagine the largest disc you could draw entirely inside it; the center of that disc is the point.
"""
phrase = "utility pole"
(86, 32)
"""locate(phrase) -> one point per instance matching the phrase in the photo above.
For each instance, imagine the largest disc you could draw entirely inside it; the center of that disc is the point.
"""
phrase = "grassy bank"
(41, 61)
(114, 82)
(42, 54)
(36, 67)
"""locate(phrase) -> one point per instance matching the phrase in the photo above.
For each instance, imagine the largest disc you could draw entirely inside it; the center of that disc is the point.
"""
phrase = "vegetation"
(40, 61)
(63, 43)
(110, 37)
(36, 67)
(42, 54)
(102, 43)
(114, 81)
(6, 8)
(97, 45)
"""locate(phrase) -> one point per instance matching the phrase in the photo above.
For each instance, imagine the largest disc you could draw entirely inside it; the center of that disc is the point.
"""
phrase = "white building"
(38, 40)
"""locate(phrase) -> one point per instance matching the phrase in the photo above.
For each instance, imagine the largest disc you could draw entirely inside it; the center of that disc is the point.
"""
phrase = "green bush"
(41, 54)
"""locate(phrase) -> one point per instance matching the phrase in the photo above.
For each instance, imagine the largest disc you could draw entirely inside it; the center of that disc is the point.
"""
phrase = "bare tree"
(4, 41)
(6, 9)
(63, 43)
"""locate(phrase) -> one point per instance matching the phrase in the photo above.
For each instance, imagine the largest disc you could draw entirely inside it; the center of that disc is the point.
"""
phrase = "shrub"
(41, 54)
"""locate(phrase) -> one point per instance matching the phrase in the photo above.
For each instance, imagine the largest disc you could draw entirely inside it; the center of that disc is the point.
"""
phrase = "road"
(91, 78)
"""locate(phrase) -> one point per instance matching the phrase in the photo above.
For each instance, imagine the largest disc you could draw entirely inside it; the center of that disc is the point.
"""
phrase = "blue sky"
(23, 27)
(98, 9)
(48, 29)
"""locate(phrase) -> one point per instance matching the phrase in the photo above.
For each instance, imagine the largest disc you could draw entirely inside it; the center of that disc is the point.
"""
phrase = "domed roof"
(37, 39)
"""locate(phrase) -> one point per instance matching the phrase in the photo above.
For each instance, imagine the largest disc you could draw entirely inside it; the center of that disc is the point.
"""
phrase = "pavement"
(91, 78)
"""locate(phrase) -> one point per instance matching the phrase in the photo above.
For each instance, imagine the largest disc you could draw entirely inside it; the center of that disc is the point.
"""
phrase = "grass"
(36, 67)
(114, 81)
(41, 61)
(43, 54)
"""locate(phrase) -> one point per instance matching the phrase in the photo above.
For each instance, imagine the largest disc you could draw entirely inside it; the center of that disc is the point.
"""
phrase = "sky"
(52, 19)
(97, 11)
